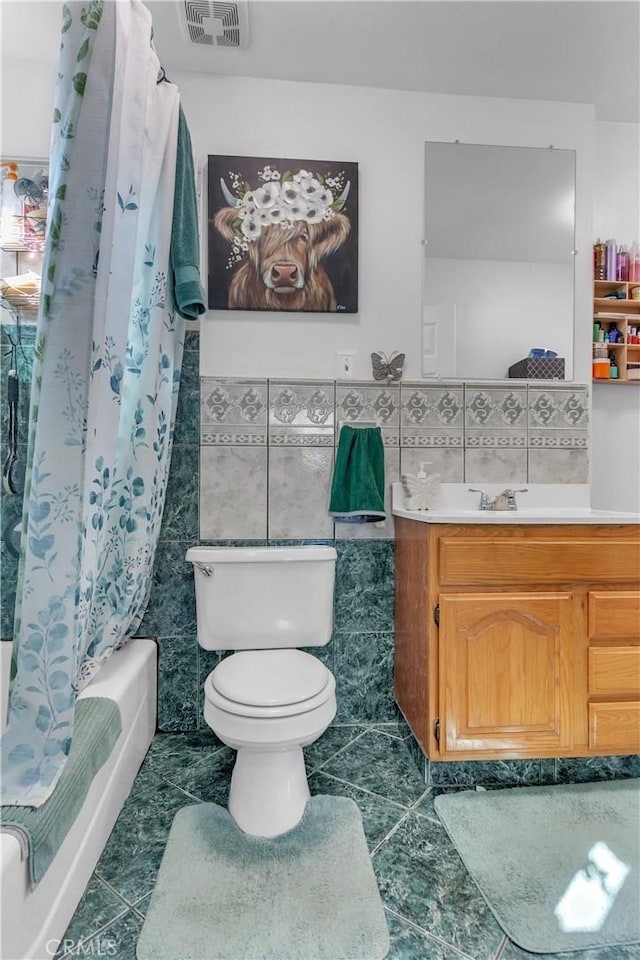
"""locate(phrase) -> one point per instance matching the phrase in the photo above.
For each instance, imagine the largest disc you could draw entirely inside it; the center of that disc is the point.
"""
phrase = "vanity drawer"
(614, 615)
(614, 727)
(536, 559)
(614, 670)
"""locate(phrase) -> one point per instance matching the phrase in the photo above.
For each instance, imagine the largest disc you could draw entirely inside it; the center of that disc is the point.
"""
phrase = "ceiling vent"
(212, 24)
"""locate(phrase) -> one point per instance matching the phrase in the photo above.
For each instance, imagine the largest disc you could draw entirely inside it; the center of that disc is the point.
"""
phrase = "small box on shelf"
(538, 368)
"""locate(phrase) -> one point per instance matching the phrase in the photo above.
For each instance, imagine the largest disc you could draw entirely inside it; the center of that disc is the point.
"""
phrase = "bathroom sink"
(542, 503)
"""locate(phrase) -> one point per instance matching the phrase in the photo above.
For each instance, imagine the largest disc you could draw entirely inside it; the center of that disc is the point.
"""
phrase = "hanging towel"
(357, 488)
(188, 294)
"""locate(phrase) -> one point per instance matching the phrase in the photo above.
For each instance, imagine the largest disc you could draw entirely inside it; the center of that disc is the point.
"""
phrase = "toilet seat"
(269, 683)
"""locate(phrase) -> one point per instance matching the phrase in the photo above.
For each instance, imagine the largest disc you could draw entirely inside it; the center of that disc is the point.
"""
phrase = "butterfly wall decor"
(387, 368)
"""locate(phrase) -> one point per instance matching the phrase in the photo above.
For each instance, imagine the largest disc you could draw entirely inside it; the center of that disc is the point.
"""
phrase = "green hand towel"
(185, 242)
(357, 488)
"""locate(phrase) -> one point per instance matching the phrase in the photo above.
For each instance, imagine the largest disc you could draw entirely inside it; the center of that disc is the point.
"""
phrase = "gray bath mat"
(559, 866)
(309, 894)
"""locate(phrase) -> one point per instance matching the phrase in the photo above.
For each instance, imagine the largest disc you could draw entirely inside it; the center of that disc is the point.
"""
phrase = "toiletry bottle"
(613, 366)
(634, 263)
(612, 251)
(599, 260)
(622, 264)
(596, 331)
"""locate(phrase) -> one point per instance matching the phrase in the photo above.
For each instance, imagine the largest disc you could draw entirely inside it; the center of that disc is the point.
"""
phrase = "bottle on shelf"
(599, 260)
(634, 263)
(622, 265)
(612, 259)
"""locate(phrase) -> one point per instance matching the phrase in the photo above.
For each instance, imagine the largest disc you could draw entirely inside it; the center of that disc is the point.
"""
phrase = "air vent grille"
(212, 24)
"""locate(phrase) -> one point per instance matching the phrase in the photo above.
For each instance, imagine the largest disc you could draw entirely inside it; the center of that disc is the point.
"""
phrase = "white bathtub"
(34, 921)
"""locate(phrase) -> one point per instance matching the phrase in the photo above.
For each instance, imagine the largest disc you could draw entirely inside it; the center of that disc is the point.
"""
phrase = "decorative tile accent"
(301, 412)
(363, 400)
(233, 492)
(299, 484)
(495, 416)
(558, 416)
(432, 415)
(233, 412)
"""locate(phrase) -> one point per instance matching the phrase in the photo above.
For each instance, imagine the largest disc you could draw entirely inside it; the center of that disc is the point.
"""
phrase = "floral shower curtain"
(105, 382)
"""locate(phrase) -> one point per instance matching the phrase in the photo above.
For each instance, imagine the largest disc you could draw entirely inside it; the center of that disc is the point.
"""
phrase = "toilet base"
(269, 790)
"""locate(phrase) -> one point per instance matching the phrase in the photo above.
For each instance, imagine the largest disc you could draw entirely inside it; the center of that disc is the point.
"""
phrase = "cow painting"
(282, 237)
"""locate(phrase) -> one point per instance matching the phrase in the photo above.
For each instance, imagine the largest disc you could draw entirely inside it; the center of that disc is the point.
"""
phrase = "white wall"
(26, 102)
(384, 131)
(616, 409)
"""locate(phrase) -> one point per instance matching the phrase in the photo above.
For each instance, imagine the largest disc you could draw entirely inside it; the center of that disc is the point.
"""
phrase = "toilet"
(269, 699)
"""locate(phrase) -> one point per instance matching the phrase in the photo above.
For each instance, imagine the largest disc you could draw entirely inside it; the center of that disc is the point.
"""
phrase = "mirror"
(499, 251)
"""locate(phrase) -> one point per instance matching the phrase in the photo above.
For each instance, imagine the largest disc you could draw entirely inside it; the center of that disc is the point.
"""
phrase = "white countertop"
(542, 503)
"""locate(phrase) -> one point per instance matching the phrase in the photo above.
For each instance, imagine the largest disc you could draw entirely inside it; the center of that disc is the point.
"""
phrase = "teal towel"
(97, 726)
(188, 294)
(357, 488)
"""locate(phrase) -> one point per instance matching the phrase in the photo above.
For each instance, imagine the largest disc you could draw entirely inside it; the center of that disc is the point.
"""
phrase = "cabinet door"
(505, 673)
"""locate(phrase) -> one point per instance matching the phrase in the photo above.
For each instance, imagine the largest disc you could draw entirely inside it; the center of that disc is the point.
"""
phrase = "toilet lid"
(270, 678)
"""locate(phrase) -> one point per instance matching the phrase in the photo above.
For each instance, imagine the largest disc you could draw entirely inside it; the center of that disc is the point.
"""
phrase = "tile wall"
(252, 461)
(268, 445)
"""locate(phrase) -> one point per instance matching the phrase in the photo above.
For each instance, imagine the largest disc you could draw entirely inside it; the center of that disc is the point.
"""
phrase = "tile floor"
(434, 910)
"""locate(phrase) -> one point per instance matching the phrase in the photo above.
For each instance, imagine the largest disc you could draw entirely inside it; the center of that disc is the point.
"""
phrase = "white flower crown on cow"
(285, 199)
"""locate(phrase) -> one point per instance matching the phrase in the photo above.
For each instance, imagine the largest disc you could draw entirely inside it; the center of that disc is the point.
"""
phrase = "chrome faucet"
(485, 501)
(504, 501)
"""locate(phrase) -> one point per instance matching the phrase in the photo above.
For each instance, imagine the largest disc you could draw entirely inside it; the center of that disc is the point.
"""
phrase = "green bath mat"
(309, 894)
(558, 866)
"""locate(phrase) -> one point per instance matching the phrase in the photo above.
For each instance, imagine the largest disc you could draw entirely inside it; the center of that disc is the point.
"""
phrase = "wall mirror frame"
(499, 252)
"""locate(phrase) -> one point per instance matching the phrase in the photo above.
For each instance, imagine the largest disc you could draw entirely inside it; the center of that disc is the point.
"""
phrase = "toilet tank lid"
(297, 554)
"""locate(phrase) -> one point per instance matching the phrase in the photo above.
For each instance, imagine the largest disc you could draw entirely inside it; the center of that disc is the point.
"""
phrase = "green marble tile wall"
(24, 336)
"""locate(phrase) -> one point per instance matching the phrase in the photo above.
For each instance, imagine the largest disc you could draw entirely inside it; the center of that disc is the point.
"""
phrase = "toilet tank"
(260, 598)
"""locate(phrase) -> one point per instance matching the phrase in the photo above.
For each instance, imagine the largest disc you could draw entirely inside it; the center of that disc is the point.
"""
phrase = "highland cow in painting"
(284, 235)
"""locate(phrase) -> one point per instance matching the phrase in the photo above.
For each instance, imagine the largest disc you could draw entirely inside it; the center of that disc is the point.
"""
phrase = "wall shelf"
(623, 314)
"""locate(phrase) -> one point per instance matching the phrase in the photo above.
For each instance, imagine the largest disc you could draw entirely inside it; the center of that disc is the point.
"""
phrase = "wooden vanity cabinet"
(517, 641)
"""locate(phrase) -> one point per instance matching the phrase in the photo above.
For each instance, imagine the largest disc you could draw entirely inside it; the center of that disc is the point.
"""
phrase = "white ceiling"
(575, 51)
